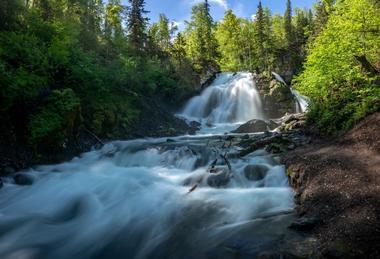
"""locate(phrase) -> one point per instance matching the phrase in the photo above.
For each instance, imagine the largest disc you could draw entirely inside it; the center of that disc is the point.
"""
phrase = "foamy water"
(130, 199)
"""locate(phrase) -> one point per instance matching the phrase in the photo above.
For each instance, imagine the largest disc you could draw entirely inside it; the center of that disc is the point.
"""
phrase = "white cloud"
(222, 3)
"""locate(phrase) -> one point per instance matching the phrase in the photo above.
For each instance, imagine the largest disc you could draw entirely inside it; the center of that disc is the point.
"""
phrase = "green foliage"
(288, 27)
(24, 67)
(265, 44)
(341, 88)
(55, 121)
(65, 65)
(201, 46)
(228, 34)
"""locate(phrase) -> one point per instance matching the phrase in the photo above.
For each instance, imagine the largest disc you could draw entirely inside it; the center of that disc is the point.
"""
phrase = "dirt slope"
(338, 184)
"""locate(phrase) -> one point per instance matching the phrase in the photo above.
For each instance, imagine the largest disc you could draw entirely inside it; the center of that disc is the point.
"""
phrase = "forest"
(128, 136)
(86, 63)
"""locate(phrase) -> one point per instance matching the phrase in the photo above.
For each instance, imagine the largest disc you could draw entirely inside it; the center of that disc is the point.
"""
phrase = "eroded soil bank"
(337, 184)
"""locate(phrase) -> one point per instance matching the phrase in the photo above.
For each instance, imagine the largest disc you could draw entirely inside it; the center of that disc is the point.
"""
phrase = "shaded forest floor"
(337, 184)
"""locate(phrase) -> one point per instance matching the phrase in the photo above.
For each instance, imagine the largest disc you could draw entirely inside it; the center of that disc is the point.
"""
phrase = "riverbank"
(337, 185)
(155, 120)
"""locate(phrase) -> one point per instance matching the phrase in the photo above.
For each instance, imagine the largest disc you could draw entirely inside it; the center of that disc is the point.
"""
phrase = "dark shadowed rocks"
(256, 125)
(219, 179)
(23, 179)
(255, 172)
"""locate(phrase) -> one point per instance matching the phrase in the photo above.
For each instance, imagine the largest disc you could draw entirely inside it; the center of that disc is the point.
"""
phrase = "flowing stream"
(130, 199)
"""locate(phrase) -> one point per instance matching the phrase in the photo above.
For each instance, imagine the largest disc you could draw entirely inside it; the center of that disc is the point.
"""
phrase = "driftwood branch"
(227, 162)
(193, 188)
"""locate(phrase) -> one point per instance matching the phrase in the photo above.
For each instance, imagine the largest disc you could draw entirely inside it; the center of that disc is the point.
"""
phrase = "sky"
(180, 10)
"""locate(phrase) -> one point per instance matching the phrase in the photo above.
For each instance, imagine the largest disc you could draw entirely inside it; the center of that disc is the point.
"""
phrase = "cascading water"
(131, 199)
(231, 99)
(302, 103)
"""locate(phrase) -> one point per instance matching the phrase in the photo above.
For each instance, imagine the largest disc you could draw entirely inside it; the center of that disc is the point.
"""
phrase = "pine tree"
(202, 45)
(137, 25)
(322, 11)
(288, 24)
(179, 49)
(260, 37)
(164, 32)
(228, 34)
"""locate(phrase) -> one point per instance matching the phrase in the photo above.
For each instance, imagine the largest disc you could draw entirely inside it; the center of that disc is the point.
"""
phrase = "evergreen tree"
(260, 37)
(137, 25)
(202, 45)
(164, 32)
(179, 48)
(228, 34)
(322, 11)
(288, 24)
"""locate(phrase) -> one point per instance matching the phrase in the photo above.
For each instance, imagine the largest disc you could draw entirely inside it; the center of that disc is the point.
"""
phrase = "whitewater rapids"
(130, 199)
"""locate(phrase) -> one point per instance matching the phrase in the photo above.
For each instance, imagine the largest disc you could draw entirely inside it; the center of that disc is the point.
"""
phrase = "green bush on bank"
(56, 119)
(341, 89)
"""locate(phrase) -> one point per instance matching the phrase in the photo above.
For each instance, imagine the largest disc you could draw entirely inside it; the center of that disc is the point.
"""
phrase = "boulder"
(280, 92)
(253, 126)
(23, 179)
(255, 172)
(194, 126)
(292, 121)
(219, 179)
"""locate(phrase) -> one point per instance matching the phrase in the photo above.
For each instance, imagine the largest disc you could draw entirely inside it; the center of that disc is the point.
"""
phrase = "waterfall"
(302, 101)
(130, 199)
(232, 98)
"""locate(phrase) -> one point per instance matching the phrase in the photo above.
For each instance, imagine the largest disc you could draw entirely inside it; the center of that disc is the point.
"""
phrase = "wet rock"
(275, 148)
(291, 146)
(253, 126)
(245, 137)
(1, 183)
(209, 124)
(279, 91)
(292, 121)
(255, 172)
(219, 179)
(230, 138)
(23, 179)
(263, 141)
(169, 140)
(304, 224)
(194, 126)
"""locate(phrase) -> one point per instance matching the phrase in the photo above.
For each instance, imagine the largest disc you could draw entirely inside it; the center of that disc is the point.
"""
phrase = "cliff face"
(277, 97)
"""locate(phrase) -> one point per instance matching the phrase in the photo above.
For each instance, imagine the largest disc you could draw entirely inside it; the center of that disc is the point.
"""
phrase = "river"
(183, 197)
